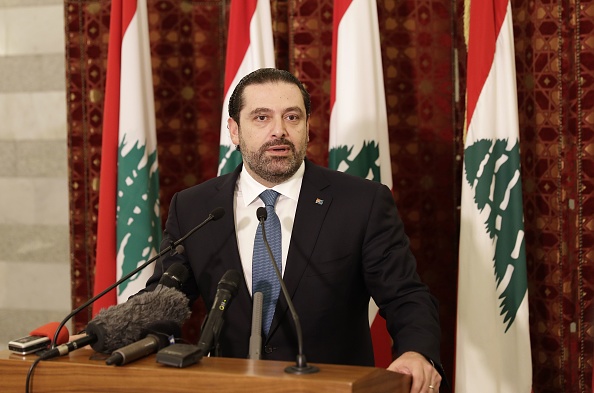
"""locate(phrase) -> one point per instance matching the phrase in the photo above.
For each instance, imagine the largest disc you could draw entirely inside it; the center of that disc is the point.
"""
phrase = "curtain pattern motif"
(424, 69)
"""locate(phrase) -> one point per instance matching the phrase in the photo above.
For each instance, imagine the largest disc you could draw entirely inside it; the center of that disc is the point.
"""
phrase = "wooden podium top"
(84, 370)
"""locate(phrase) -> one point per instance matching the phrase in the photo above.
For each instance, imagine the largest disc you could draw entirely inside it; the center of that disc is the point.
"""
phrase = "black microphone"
(255, 349)
(214, 215)
(68, 347)
(301, 366)
(123, 324)
(175, 276)
(226, 290)
(158, 335)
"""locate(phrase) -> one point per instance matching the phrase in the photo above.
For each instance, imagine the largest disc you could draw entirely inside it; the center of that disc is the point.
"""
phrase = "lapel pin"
(319, 201)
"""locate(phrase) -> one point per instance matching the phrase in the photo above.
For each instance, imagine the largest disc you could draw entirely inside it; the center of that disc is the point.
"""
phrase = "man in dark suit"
(342, 242)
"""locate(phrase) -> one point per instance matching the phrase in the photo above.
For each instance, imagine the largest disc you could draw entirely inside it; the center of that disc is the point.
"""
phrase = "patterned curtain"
(424, 70)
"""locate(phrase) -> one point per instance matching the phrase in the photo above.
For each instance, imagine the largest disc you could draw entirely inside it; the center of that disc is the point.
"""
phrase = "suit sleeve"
(172, 233)
(411, 312)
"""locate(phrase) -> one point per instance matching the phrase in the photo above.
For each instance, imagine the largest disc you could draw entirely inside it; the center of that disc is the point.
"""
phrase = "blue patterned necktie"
(263, 275)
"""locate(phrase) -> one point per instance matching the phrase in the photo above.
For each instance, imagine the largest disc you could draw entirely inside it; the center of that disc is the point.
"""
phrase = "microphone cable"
(301, 366)
(174, 247)
(30, 375)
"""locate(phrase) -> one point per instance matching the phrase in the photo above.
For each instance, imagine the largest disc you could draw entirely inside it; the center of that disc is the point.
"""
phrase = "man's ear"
(233, 130)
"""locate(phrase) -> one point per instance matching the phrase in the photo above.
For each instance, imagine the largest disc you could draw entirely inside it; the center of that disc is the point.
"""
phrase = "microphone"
(300, 366)
(183, 355)
(214, 215)
(226, 290)
(158, 335)
(256, 337)
(175, 276)
(68, 347)
(123, 324)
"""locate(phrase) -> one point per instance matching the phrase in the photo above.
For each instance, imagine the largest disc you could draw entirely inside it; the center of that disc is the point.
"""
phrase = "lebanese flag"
(249, 47)
(493, 336)
(129, 226)
(358, 140)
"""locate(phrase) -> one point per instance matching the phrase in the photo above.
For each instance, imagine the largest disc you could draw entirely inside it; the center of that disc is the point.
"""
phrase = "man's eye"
(261, 117)
(292, 117)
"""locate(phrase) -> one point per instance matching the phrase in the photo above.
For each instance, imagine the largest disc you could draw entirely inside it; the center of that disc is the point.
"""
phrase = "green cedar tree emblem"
(493, 172)
(230, 157)
(138, 220)
(363, 165)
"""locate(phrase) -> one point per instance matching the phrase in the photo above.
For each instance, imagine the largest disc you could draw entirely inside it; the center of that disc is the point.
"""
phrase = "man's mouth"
(279, 148)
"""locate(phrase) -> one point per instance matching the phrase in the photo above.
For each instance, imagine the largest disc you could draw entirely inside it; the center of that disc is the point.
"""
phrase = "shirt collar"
(251, 189)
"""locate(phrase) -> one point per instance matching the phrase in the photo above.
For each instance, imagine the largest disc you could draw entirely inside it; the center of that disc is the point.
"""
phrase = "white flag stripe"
(372, 312)
(137, 124)
(261, 51)
(137, 107)
(489, 358)
(259, 54)
(225, 137)
(359, 113)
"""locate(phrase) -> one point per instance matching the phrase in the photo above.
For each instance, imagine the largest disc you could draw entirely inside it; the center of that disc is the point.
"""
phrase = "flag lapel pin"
(319, 201)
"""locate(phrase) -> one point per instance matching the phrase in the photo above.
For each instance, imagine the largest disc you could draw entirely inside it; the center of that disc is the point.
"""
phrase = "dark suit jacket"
(348, 245)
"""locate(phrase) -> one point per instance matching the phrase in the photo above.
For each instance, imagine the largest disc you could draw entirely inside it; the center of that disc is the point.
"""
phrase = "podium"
(84, 370)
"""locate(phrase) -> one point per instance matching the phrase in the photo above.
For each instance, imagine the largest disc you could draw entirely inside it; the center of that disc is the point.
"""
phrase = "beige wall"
(34, 229)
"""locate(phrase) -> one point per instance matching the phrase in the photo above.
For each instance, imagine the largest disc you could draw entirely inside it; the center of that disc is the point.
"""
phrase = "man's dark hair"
(260, 77)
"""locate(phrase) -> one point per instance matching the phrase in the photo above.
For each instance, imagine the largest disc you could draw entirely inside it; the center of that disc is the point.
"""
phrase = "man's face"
(274, 131)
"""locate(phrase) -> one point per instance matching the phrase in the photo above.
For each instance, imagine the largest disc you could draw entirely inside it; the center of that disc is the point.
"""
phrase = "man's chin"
(278, 172)
(277, 164)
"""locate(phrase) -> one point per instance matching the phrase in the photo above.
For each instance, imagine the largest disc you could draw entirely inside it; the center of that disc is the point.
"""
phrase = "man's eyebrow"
(255, 111)
(260, 110)
(293, 109)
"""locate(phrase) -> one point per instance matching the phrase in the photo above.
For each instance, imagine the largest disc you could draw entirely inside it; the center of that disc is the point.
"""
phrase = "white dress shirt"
(245, 203)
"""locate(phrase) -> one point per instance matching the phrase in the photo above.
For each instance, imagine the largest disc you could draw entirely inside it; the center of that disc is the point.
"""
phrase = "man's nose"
(279, 128)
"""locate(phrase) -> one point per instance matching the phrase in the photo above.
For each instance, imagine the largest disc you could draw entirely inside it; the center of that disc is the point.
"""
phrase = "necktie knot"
(269, 197)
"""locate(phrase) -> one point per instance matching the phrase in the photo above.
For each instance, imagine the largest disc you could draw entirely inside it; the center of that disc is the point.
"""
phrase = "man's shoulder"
(338, 177)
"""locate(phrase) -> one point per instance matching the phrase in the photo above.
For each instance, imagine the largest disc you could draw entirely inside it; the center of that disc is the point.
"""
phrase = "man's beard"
(273, 169)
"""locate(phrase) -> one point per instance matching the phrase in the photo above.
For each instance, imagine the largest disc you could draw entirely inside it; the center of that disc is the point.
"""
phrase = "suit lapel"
(315, 199)
(224, 196)
(225, 233)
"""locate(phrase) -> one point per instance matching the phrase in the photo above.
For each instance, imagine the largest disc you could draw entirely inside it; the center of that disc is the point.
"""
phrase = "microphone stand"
(301, 366)
(215, 214)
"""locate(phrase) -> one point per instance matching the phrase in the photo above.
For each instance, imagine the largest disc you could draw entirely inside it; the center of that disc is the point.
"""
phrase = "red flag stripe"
(239, 29)
(340, 7)
(481, 46)
(122, 12)
(382, 342)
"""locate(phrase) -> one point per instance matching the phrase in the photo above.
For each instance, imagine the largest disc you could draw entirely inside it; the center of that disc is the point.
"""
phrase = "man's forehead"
(272, 95)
